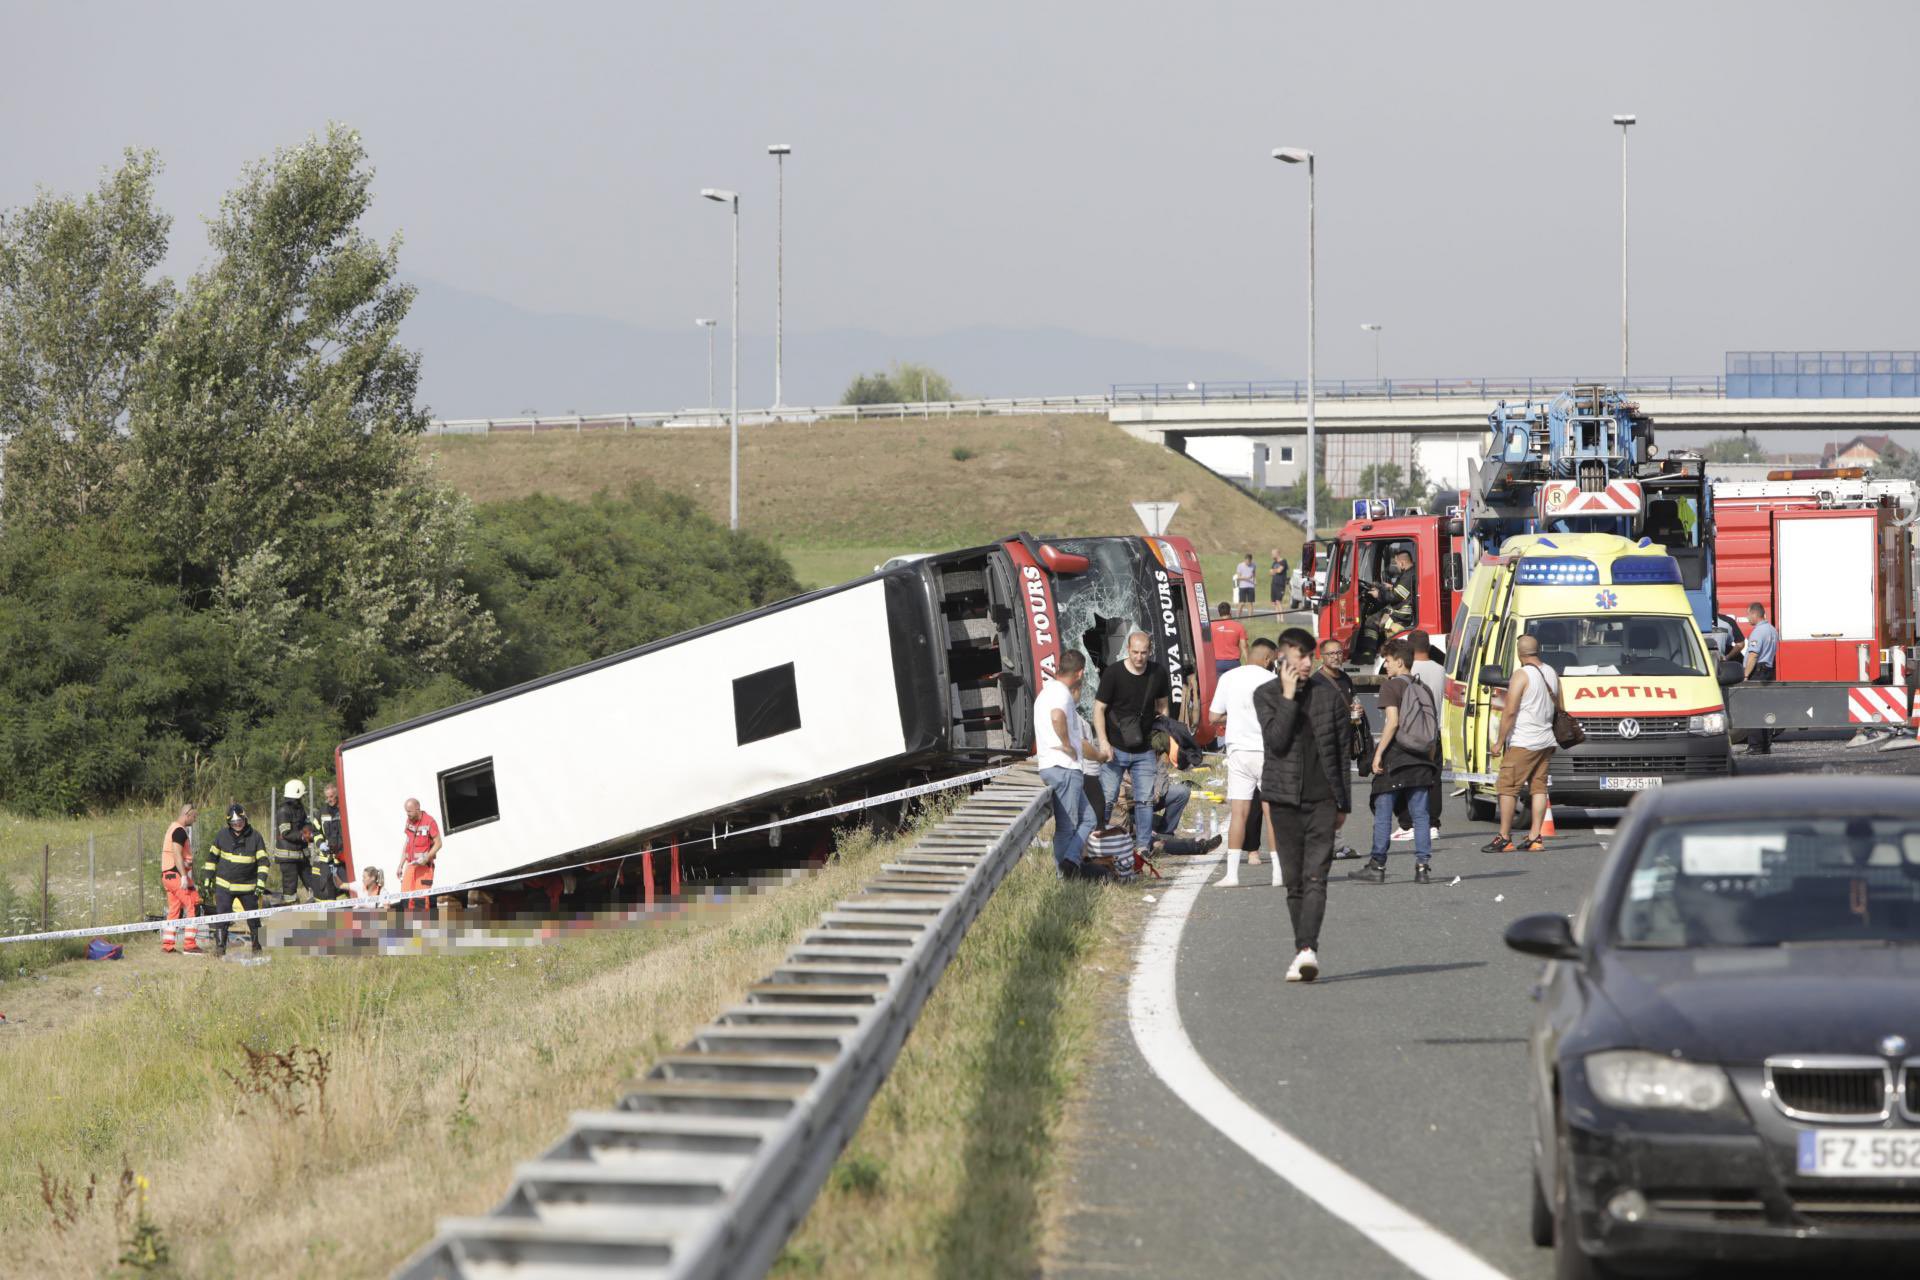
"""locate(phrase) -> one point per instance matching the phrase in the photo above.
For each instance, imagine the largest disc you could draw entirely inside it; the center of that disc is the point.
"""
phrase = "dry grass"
(952, 1172)
(839, 497)
(443, 1071)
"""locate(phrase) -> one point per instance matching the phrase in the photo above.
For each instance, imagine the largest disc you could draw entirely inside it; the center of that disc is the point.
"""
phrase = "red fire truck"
(1830, 554)
(1360, 557)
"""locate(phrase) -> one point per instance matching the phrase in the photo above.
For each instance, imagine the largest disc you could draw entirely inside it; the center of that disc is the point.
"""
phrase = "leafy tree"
(1897, 464)
(1408, 488)
(870, 388)
(108, 682)
(1733, 449)
(904, 383)
(572, 581)
(78, 305)
(272, 445)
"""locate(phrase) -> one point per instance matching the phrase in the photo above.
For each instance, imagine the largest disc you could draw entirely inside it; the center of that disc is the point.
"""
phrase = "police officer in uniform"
(292, 834)
(234, 864)
(326, 880)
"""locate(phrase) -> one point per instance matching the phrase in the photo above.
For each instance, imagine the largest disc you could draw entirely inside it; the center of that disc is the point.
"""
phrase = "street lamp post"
(708, 325)
(779, 151)
(1298, 155)
(1374, 329)
(733, 338)
(1625, 122)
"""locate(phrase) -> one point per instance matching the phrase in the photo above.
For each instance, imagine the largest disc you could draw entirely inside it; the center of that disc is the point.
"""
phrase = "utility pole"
(1298, 155)
(733, 411)
(779, 151)
(1625, 122)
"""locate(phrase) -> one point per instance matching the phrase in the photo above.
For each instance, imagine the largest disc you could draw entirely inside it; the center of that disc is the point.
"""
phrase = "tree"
(272, 444)
(574, 581)
(1409, 488)
(1741, 448)
(1896, 464)
(903, 383)
(869, 388)
(79, 304)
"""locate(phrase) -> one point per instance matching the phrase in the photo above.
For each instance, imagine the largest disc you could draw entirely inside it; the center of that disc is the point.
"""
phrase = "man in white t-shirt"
(1059, 747)
(1246, 751)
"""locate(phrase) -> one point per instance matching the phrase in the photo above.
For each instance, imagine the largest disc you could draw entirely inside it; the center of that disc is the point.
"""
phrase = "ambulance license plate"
(1613, 782)
(1845, 1153)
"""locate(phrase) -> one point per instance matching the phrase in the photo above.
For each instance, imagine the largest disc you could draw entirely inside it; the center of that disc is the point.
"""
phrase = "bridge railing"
(1704, 386)
(584, 422)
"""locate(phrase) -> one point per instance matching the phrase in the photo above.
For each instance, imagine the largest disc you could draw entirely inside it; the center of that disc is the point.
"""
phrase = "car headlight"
(1640, 1081)
(1711, 723)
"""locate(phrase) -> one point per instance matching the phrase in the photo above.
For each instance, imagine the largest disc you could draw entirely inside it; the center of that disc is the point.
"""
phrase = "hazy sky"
(1099, 167)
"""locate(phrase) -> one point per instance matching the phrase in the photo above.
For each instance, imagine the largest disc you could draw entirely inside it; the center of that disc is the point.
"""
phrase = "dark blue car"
(1726, 1054)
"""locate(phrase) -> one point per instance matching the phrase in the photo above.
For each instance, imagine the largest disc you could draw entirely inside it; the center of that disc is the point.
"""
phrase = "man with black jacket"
(292, 833)
(1306, 731)
(234, 867)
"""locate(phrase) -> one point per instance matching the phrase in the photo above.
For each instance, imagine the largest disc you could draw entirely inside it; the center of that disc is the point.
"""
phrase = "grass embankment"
(948, 1175)
(442, 1071)
(57, 847)
(840, 497)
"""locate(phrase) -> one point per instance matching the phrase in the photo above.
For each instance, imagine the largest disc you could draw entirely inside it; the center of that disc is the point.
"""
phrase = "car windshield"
(1619, 645)
(1774, 882)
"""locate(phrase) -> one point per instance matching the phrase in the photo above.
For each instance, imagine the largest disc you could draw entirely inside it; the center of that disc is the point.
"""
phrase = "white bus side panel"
(637, 744)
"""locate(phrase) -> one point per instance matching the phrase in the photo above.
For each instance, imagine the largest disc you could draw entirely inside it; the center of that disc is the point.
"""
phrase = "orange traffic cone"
(1546, 827)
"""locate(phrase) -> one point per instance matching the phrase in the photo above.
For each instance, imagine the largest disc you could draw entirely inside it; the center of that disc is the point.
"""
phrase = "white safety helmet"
(294, 790)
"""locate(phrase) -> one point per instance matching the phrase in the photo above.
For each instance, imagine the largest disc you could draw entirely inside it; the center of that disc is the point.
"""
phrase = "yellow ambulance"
(1612, 618)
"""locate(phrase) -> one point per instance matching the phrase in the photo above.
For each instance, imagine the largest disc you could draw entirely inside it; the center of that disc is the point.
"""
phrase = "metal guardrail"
(1705, 386)
(583, 422)
(708, 1162)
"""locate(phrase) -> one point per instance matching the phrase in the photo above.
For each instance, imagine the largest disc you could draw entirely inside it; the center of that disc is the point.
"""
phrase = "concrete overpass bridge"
(1173, 413)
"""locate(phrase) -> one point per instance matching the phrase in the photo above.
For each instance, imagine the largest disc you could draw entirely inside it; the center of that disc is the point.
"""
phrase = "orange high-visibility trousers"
(416, 875)
(183, 903)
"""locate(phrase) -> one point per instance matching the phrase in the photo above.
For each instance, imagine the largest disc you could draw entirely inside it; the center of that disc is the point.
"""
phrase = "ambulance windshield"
(1614, 645)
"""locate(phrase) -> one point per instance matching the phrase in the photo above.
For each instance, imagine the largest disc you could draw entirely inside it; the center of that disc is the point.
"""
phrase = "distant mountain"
(483, 357)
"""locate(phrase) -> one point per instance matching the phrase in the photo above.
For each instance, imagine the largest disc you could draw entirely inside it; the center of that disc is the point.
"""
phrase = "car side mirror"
(1493, 677)
(1547, 935)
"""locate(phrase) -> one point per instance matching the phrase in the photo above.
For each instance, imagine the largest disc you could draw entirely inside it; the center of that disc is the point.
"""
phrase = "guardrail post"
(46, 884)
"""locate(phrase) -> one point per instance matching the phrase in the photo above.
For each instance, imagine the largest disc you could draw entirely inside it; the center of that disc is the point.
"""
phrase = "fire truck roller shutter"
(701, 722)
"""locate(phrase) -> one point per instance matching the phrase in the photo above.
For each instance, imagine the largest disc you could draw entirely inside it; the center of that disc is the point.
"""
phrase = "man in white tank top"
(1525, 744)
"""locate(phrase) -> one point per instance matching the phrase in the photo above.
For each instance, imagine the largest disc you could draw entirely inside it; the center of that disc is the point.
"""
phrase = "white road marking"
(1153, 1010)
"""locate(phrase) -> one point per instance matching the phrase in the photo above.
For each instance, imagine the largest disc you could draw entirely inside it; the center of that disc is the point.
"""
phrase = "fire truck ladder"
(707, 1162)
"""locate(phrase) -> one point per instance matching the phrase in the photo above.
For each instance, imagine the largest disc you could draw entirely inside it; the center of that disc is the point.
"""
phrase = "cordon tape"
(389, 899)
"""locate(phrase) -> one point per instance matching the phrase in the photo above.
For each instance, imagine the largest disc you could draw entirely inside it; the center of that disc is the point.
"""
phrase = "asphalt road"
(1404, 1064)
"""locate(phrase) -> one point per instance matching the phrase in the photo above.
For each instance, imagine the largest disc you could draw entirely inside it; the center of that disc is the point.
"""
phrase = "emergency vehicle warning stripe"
(1876, 704)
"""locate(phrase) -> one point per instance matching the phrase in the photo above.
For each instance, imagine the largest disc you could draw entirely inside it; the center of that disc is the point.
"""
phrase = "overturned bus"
(915, 673)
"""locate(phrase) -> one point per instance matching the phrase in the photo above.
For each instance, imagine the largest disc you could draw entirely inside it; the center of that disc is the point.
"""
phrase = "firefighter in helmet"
(235, 865)
(292, 834)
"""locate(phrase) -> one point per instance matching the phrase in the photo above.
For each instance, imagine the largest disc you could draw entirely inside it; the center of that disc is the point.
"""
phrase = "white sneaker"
(1305, 967)
(1433, 833)
(1401, 833)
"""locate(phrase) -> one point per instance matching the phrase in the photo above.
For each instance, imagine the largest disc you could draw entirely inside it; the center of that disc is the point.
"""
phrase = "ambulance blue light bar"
(1633, 571)
(1557, 571)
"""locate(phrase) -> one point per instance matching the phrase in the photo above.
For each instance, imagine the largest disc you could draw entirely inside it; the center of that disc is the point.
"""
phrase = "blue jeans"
(1168, 823)
(1142, 766)
(1072, 815)
(1383, 823)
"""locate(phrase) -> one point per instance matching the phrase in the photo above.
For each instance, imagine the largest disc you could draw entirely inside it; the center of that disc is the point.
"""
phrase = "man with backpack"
(1404, 768)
